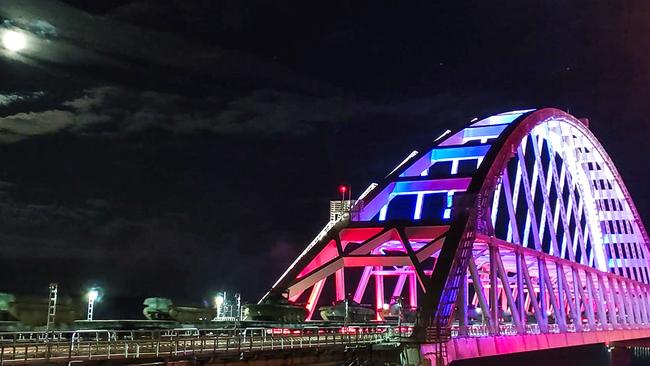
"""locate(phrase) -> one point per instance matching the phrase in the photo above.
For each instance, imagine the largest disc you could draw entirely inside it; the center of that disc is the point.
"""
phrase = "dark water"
(593, 355)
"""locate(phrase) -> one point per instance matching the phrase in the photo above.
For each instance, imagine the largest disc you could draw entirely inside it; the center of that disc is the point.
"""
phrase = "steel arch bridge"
(516, 225)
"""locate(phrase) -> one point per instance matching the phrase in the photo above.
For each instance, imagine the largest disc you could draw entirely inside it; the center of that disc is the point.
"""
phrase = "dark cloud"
(94, 47)
(12, 98)
(19, 126)
(117, 111)
(38, 27)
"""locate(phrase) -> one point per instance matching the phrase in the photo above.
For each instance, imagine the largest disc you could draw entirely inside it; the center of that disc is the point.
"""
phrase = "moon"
(13, 41)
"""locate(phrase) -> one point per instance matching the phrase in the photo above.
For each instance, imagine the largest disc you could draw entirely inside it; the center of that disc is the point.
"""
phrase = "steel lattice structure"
(518, 223)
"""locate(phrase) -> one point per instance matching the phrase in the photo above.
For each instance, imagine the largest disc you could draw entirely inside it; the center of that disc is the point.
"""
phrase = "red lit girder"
(328, 253)
(429, 240)
(348, 261)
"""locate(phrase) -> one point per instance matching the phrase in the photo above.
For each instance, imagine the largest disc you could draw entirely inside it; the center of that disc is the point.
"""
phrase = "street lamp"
(92, 295)
(238, 301)
(218, 302)
(343, 189)
(479, 311)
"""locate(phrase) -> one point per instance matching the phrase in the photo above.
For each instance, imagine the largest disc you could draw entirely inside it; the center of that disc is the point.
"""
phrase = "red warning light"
(343, 189)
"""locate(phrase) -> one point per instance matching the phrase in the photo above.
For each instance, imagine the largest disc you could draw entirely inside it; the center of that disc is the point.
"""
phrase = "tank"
(157, 308)
(192, 314)
(161, 308)
(395, 312)
(33, 310)
(356, 312)
(276, 308)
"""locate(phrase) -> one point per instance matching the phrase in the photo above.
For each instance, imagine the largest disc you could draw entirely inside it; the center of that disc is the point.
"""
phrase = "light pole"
(218, 303)
(238, 299)
(400, 313)
(92, 296)
(51, 307)
(479, 311)
(343, 189)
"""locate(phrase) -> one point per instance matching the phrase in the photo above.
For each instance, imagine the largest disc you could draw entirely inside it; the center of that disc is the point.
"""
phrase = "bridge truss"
(516, 224)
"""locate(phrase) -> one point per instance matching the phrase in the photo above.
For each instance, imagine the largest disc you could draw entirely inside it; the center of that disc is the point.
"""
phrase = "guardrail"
(82, 345)
(482, 330)
(101, 344)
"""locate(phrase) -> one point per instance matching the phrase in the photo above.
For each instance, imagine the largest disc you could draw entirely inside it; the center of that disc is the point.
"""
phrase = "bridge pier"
(622, 342)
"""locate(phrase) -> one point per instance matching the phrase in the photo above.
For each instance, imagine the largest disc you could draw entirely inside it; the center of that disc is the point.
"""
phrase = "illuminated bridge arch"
(517, 223)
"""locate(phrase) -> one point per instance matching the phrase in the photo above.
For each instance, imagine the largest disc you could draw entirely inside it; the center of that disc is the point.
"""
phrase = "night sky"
(176, 148)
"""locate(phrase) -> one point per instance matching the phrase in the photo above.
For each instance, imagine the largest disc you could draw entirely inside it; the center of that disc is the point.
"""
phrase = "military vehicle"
(157, 308)
(396, 311)
(161, 308)
(32, 311)
(355, 311)
(276, 308)
(191, 314)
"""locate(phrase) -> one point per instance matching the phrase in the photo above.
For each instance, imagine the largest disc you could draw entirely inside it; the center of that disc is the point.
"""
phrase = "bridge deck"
(460, 348)
(97, 345)
(66, 347)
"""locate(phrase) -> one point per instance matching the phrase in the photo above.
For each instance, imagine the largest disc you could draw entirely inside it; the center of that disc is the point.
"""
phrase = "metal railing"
(70, 346)
(82, 345)
(483, 330)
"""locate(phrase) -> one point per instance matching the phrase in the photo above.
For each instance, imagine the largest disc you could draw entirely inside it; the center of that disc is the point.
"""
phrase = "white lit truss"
(518, 223)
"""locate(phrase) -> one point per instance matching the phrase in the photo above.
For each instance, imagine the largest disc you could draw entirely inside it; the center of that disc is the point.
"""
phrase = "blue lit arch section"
(443, 170)
(598, 223)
